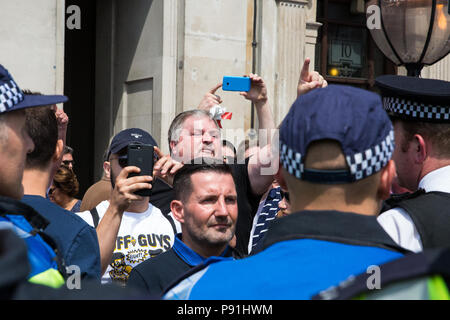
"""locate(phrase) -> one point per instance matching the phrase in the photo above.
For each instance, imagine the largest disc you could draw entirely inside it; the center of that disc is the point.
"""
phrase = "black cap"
(413, 98)
(129, 136)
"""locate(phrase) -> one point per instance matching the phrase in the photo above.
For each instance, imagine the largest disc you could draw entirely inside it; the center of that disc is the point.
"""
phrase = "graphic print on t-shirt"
(131, 250)
(141, 236)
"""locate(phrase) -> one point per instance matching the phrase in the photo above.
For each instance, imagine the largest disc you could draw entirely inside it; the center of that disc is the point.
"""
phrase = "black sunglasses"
(122, 160)
(285, 195)
(68, 162)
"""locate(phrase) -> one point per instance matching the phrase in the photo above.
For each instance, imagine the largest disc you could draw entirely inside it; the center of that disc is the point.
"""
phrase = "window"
(345, 51)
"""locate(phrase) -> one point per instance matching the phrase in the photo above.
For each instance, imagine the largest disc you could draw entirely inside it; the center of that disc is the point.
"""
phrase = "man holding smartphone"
(130, 229)
(194, 134)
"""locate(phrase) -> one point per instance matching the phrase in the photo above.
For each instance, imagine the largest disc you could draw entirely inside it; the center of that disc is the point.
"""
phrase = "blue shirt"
(304, 253)
(191, 257)
(76, 240)
(154, 275)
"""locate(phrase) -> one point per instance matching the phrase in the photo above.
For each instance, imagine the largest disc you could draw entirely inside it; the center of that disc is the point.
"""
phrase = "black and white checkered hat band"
(416, 110)
(362, 165)
(10, 95)
(291, 160)
(372, 160)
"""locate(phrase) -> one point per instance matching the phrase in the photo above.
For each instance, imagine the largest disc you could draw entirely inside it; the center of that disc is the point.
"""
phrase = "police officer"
(420, 111)
(15, 143)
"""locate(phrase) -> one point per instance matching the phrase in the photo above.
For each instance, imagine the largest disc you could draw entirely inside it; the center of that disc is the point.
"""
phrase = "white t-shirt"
(141, 236)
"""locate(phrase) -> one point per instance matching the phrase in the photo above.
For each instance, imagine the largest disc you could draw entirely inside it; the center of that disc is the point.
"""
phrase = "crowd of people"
(318, 201)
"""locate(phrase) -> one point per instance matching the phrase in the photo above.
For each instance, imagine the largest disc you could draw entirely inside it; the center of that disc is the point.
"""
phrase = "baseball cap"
(12, 98)
(413, 98)
(130, 136)
(351, 116)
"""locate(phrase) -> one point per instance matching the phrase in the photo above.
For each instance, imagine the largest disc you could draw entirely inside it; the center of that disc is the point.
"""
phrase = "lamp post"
(413, 33)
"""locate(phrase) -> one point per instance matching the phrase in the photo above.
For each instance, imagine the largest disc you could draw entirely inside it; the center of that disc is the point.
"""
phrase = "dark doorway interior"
(79, 86)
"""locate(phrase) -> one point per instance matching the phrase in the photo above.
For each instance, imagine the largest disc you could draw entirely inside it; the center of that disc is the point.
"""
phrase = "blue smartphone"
(235, 83)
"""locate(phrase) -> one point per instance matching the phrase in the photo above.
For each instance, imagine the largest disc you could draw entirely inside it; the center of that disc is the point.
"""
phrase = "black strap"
(395, 199)
(327, 176)
(172, 223)
(95, 216)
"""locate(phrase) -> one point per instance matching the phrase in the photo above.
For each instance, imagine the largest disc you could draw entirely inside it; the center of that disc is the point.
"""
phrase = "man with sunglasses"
(127, 224)
(284, 205)
(67, 158)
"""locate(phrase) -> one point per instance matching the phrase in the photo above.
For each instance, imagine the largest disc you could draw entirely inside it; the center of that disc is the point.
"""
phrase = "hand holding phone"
(141, 156)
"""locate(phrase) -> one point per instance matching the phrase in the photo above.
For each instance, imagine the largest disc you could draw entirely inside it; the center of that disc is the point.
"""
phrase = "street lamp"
(413, 33)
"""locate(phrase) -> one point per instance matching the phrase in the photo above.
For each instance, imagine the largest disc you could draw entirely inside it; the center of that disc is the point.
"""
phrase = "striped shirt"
(266, 213)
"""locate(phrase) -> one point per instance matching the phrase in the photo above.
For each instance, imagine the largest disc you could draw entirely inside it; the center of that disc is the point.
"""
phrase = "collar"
(436, 180)
(335, 226)
(13, 256)
(191, 257)
(13, 207)
(274, 193)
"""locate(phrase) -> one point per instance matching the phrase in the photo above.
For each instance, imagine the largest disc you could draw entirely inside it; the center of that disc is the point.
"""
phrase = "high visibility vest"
(42, 252)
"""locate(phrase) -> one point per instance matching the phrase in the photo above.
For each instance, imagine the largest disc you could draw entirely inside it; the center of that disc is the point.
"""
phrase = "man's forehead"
(199, 122)
(199, 179)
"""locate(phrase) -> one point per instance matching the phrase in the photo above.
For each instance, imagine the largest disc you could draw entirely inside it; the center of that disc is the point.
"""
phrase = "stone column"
(169, 70)
(296, 39)
(440, 70)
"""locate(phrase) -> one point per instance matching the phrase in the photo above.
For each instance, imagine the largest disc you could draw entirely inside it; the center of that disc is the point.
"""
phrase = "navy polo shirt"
(154, 275)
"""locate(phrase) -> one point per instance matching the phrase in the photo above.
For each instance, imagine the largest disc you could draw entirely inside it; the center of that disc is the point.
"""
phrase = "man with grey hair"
(205, 135)
(194, 134)
(332, 233)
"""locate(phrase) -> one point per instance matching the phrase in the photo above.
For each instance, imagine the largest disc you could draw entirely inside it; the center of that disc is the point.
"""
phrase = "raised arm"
(121, 198)
(309, 80)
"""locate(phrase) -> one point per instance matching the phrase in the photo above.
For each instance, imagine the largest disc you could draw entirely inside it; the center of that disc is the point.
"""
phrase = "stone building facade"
(140, 62)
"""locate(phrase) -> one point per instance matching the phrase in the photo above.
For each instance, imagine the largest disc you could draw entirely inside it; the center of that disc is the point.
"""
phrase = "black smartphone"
(141, 156)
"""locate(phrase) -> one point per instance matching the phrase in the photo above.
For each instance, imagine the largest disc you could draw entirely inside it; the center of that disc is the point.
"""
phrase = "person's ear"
(107, 169)
(177, 208)
(172, 146)
(420, 149)
(59, 148)
(280, 178)
(387, 175)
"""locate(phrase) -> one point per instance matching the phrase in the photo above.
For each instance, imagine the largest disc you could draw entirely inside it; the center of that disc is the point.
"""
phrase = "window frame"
(369, 50)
